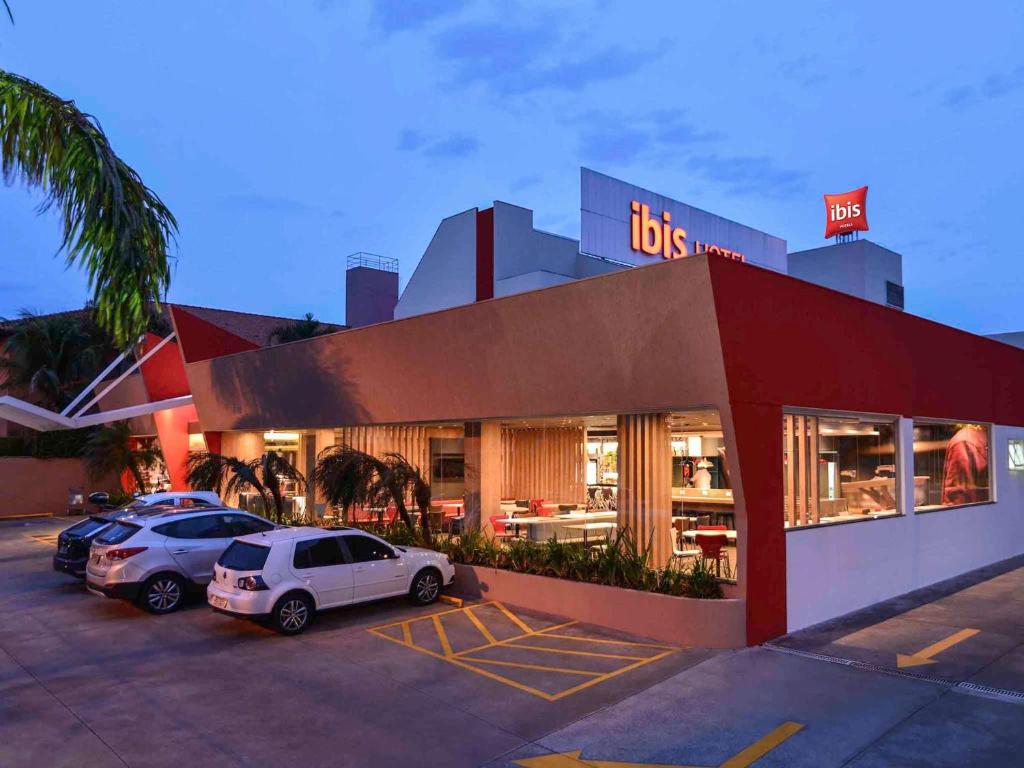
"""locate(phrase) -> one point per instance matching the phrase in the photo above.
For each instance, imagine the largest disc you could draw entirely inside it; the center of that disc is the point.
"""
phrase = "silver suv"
(154, 558)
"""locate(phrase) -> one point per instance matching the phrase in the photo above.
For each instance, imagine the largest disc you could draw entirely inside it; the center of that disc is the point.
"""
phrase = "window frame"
(351, 557)
(992, 473)
(342, 551)
(899, 458)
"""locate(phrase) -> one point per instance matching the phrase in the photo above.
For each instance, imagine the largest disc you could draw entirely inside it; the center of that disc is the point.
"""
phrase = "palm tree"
(210, 471)
(115, 227)
(306, 328)
(109, 451)
(51, 357)
(349, 477)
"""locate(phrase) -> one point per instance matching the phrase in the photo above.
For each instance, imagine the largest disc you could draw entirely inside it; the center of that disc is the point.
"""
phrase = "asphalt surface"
(88, 681)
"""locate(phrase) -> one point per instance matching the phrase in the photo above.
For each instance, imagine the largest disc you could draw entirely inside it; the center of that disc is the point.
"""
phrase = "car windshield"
(117, 533)
(240, 556)
(87, 527)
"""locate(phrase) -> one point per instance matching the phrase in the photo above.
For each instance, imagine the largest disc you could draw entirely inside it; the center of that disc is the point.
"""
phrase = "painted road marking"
(456, 601)
(742, 759)
(924, 656)
(557, 660)
(49, 539)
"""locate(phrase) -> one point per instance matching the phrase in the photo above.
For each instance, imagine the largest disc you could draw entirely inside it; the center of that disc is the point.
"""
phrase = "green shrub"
(15, 446)
(620, 563)
(62, 444)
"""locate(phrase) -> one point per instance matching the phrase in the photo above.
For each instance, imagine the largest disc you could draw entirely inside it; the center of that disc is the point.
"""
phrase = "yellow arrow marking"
(742, 759)
(924, 656)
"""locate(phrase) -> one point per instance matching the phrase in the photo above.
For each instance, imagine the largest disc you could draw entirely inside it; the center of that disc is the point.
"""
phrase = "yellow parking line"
(511, 616)
(523, 665)
(420, 618)
(479, 625)
(513, 638)
(442, 636)
(581, 653)
(459, 663)
(545, 633)
(610, 675)
(762, 746)
(406, 633)
(456, 601)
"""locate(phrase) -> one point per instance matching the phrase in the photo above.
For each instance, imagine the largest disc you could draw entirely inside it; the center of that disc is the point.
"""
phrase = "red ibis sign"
(846, 212)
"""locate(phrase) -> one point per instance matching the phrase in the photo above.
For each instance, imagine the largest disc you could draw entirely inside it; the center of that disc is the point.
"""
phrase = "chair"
(567, 507)
(715, 547)
(501, 530)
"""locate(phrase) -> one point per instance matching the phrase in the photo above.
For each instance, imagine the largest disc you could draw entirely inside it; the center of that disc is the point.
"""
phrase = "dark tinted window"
(240, 525)
(200, 527)
(117, 533)
(317, 553)
(87, 527)
(240, 556)
(364, 549)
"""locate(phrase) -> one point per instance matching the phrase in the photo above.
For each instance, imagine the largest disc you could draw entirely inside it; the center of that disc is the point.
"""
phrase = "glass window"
(241, 556)
(950, 464)
(87, 527)
(242, 525)
(117, 533)
(1016, 450)
(364, 549)
(838, 469)
(318, 553)
(199, 527)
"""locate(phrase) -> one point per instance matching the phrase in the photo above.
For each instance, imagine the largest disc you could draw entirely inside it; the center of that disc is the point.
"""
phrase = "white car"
(154, 557)
(284, 576)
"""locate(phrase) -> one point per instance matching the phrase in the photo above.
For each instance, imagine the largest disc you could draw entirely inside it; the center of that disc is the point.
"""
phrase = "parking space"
(969, 629)
(545, 658)
(88, 681)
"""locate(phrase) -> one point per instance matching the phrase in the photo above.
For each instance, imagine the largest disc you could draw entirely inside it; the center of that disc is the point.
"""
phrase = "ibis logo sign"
(656, 236)
(846, 212)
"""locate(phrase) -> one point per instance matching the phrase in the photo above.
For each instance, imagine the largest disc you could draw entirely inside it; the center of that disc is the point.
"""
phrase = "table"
(587, 527)
(536, 523)
(729, 535)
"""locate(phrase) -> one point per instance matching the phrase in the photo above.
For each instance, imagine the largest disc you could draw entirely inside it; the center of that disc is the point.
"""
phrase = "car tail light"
(252, 583)
(124, 553)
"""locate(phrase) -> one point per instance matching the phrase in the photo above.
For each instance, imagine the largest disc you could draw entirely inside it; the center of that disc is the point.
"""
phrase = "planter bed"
(675, 620)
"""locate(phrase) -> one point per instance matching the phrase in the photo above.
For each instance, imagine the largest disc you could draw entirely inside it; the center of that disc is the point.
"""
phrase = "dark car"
(73, 543)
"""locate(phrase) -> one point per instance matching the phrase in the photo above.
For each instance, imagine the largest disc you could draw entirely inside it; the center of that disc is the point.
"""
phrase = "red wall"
(786, 342)
(202, 340)
(485, 254)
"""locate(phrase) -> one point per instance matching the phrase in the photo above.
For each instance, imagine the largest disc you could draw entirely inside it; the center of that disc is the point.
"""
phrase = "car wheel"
(162, 593)
(426, 587)
(293, 613)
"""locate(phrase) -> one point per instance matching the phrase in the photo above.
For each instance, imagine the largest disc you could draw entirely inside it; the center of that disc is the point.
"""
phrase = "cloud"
(747, 174)
(805, 70)
(992, 87)
(391, 16)
(458, 145)
(611, 138)
(518, 59)
(453, 146)
(526, 182)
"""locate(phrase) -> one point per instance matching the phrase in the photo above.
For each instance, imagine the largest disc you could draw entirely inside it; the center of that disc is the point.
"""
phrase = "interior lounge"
(561, 478)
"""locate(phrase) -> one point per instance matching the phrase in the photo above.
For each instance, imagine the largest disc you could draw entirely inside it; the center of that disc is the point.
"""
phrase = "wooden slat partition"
(801, 468)
(645, 482)
(544, 463)
(412, 442)
(790, 428)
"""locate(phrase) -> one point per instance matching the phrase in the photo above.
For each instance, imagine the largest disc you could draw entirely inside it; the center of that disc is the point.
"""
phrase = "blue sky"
(285, 135)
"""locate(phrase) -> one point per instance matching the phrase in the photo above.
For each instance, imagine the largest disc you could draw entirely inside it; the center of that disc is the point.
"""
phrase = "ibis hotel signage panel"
(632, 225)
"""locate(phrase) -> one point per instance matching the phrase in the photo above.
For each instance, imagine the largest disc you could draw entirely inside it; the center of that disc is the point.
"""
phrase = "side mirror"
(99, 498)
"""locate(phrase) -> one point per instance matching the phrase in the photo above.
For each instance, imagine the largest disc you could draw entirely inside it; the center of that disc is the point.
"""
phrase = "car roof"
(291, 532)
(160, 514)
(208, 496)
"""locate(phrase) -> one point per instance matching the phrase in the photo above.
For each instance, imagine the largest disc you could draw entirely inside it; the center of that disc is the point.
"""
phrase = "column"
(645, 482)
(482, 451)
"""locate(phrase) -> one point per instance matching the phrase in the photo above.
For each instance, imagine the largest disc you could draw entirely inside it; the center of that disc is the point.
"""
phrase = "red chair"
(392, 514)
(715, 547)
(501, 530)
(537, 508)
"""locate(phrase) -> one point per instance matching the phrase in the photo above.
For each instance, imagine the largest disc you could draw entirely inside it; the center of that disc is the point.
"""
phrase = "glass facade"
(951, 464)
(838, 469)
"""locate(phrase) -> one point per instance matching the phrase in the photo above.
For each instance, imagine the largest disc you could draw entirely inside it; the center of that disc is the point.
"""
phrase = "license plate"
(218, 602)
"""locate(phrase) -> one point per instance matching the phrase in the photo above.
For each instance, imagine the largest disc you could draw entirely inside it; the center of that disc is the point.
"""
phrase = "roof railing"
(371, 260)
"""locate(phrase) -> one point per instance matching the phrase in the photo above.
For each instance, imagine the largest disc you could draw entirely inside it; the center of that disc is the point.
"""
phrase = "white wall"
(520, 249)
(530, 281)
(446, 274)
(860, 268)
(836, 569)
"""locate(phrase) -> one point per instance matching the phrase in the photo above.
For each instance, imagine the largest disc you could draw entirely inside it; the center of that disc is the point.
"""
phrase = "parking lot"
(88, 681)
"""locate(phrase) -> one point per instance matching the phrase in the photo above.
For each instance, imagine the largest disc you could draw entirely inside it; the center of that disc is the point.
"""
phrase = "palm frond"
(115, 228)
